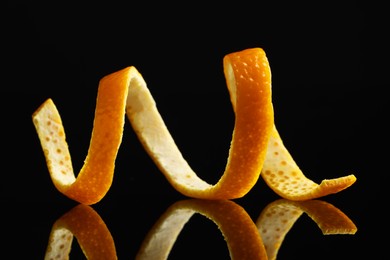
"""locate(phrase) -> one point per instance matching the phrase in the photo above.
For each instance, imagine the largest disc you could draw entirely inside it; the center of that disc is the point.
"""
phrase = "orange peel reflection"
(241, 235)
(279, 216)
(245, 239)
(91, 232)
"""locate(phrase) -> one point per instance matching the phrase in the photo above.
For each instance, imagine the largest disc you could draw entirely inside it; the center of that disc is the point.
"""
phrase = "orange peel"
(91, 232)
(239, 231)
(276, 220)
(253, 147)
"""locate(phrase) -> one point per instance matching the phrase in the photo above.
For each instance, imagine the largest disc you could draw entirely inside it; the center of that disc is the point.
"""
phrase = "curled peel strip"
(248, 78)
(284, 177)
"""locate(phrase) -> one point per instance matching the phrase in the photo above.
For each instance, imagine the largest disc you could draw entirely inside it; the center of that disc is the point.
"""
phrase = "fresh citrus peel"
(256, 146)
(91, 232)
(279, 216)
(239, 231)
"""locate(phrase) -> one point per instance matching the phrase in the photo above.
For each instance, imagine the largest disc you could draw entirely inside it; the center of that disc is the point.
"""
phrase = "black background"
(329, 66)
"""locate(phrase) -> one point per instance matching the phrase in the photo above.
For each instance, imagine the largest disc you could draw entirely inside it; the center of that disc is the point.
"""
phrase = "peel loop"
(248, 81)
(95, 177)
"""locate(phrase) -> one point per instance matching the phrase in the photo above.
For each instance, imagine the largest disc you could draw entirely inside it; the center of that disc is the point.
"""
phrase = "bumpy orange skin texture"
(255, 147)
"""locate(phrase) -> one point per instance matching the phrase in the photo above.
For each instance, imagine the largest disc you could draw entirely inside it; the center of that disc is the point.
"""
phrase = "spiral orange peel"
(91, 232)
(253, 146)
